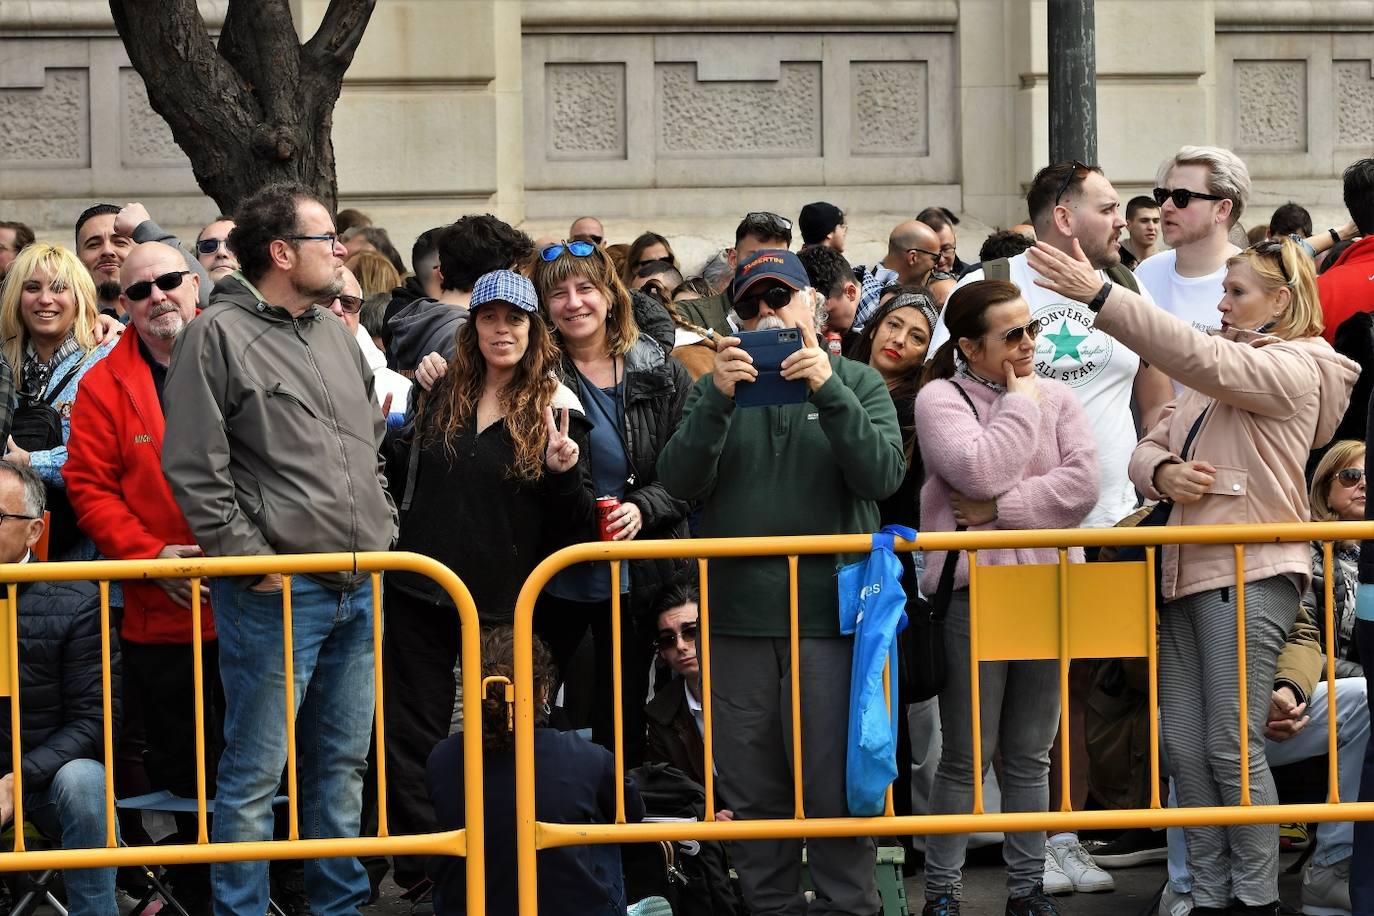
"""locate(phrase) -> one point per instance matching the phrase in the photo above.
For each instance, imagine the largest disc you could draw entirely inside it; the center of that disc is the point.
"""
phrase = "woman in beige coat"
(1261, 393)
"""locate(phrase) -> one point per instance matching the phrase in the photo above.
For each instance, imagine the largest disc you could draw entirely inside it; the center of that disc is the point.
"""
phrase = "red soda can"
(832, 343)
(605, 505)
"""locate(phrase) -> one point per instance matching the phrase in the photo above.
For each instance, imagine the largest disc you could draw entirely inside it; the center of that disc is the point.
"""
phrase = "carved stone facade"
(691, 109)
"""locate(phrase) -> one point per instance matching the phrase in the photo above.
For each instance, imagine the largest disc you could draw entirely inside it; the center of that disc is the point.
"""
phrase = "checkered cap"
(504, 286)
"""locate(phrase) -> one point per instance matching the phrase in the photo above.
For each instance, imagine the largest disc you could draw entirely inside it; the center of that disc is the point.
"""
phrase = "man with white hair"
(1202, 193)
(392, 388)
(815, 467)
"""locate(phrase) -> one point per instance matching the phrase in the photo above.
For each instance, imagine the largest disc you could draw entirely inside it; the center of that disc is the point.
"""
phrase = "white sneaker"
(1078, 866)
(1172, 903)
(1055, 882)
(1326, 889)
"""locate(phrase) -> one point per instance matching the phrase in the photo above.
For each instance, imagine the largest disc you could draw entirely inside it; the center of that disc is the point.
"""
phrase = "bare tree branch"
(335, 41)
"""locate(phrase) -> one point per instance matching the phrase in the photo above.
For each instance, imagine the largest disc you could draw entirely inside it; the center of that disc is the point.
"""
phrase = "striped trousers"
(1199, 699)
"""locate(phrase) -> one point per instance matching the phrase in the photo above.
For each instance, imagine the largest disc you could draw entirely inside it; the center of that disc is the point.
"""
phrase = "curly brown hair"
(453, 403)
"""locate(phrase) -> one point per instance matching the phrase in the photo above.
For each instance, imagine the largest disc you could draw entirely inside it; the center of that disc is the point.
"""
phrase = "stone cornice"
(78, 17)
(733, 15)
(1294, 15)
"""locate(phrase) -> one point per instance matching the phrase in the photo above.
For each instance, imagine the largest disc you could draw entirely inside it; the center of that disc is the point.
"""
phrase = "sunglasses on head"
(667, 639)
(775, 297)
(1077, 172)
(763, 223)
(575, 248)
(1014, 335)
(1349, 477)
(350, 304)
(1273, 247)
(137, 292)
(210, 246)
(1181, 196)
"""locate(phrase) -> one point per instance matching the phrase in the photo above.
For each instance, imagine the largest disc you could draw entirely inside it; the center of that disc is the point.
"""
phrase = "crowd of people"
(284, 385)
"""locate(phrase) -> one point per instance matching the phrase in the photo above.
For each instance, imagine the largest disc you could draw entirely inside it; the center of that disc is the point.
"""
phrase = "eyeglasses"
(1349, 477)
(210, 246)
(351, 305)
(667, 639)
(574, 248)
(775, 297)
(1077, 172)
(933, 254)
(1014, 335)
(34, 518)
(137, 292)
(329, 237)
(1181, 196)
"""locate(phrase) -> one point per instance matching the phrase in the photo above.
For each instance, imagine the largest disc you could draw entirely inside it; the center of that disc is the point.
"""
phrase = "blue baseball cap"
(772, 264)
(504, 286)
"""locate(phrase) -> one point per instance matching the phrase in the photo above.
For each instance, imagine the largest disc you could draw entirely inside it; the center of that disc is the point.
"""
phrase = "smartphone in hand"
(768, 349)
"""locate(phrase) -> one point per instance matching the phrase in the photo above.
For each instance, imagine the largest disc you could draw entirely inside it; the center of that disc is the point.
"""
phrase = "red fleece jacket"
(1347, 286)
(115, 482)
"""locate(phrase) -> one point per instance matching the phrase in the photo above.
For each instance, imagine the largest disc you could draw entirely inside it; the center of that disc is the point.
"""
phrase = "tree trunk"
(257, 109)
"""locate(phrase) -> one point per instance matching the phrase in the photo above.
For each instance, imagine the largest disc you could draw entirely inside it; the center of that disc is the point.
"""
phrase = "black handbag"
(925, 635)
(36, 426)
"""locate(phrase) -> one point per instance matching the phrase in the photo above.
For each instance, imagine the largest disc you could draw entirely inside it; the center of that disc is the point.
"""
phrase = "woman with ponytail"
(1002, 449)
(1261, 392)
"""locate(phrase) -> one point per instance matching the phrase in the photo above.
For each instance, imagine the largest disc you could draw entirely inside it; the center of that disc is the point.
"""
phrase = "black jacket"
(423, 326)
(656, 387)
(59, 681)
(673, 735)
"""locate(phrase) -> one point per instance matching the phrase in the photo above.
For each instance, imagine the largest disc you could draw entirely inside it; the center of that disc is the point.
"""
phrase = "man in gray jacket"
(272, 447)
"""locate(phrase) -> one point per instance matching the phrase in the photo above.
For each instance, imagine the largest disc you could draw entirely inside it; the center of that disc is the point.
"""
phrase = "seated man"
(676, 722)
(60, 691)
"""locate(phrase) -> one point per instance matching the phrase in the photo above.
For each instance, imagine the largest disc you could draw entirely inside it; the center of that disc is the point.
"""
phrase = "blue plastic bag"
(873, 609)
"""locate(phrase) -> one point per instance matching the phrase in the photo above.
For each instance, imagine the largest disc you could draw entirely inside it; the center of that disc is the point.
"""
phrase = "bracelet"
(1335, 236)
(1096, 303)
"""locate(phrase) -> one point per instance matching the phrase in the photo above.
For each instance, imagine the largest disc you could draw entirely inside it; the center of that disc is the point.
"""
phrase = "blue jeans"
(334, 698)
(1362, 879)
(73, 807)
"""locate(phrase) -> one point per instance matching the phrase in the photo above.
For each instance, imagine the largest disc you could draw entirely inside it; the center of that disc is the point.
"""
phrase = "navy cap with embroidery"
(504, 286)
(771, 264)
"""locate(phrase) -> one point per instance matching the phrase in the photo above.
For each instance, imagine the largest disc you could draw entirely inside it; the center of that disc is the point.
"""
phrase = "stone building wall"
(669, 110)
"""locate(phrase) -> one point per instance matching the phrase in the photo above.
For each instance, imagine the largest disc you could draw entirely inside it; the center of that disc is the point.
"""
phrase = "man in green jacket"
(817, 467)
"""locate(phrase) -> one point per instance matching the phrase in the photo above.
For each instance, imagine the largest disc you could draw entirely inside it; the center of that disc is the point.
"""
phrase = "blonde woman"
(1338, 495)
(1261, 392)
(51, 334)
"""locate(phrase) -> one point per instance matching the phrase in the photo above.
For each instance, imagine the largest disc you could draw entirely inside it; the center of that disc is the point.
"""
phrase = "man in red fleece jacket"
(1347, 286)
(122, 500)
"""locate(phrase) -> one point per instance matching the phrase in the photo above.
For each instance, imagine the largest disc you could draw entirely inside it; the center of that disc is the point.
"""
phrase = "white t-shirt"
(1099, 369)
(1194, 299)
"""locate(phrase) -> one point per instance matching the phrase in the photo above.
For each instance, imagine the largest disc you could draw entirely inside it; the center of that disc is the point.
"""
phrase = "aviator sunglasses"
(668, 638)
(1349, 477)
(1014, 335)
(775, 297)
(577, 249)
(137, 292)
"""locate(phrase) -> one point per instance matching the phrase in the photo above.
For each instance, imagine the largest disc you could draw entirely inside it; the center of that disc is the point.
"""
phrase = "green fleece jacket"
(812, 468)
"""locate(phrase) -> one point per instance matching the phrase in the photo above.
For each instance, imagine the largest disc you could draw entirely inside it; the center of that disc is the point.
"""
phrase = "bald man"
(116, 485)
(913, 250)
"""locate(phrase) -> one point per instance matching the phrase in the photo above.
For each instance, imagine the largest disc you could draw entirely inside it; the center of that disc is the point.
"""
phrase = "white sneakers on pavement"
(1326, 889)
(1056, 882)
(1071, 860)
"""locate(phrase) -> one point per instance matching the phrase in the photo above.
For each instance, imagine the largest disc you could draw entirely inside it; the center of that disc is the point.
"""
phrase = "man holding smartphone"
(815, 467)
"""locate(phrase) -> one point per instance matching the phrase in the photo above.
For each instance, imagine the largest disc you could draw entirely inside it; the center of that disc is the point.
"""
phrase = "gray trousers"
(751, 685)
(1019, 709)
(1199, 700)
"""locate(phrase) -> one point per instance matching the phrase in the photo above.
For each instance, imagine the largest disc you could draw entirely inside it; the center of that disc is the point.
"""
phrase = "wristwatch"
(1095, 305)
(1335, 236)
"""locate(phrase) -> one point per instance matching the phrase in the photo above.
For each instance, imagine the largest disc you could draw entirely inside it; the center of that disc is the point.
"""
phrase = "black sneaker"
(1033, 904)
(1140, 846)
(943, 905)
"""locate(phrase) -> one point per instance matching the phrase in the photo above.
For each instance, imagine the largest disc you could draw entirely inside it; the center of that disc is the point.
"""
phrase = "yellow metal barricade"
(1060, 611)
(468, 842)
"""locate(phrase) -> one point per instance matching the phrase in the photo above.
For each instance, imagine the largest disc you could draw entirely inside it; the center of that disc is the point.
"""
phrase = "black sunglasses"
(575, 248)
(667, 639)
(1349, 477)
(210, 246)
(1181, 196)
(350, 304)
(137, 292)
(1273, 247)
(1077, 171)
(1013, 335)
(775, 297)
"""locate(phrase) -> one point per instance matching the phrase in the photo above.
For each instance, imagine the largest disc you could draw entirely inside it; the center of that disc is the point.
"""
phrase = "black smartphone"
(768, 349)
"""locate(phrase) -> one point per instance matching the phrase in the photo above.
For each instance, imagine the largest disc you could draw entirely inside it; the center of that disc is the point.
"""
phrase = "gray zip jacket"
(272, 440)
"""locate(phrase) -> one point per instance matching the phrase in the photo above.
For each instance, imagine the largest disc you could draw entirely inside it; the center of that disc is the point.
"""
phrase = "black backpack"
(36, 426)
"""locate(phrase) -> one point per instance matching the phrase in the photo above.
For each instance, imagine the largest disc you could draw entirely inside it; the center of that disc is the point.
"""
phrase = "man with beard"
(121, 498)
(1074, 207)
(104, 235)
(1202, 193)
(271, 446)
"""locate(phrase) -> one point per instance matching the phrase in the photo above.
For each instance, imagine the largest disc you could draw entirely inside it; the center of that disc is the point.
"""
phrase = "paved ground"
(985, 891)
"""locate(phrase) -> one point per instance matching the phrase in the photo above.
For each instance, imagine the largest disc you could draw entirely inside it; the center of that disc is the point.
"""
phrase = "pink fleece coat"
(1038, 460)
